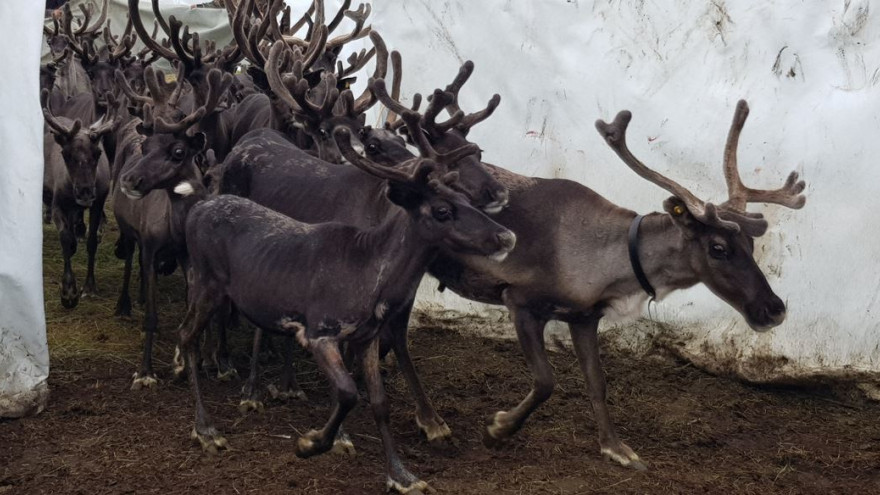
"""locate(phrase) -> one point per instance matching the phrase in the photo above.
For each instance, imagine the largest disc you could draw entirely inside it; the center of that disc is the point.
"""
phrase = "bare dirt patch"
(699, 433)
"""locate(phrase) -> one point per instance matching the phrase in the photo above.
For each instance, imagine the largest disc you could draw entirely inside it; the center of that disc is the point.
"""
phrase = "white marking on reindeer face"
(184, 188)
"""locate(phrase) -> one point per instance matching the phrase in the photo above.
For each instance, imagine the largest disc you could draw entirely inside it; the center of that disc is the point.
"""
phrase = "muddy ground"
(699, 433)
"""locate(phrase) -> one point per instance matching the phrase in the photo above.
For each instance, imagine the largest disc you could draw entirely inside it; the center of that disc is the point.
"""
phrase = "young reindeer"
(545, 279)
(76, 178)
(286, 277)
(146, 215)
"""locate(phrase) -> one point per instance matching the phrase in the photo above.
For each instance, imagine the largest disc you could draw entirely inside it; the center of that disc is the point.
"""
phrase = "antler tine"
(128, 91)
(100, 126)
(359, 16)
(615, 135)
(438, 101)
(100, 22)
(52, 121)
(63, 55)
(135, 16)
(179, 84)
(397, 69)
(413, 121)
(156, 84)
(339, 15)
(343, 140)
(159, 18)
(218, 85)
(327, 87)
(739, 195)
(179, 45)
(367, 99)
(472, 119)
(276, 83)
(356, 61)
(87, 16)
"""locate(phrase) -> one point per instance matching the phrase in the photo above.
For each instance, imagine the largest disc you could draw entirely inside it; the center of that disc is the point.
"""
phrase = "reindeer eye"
(178, 153)
(718, 251)
(372, 148)
(442, 213)
(323, 133)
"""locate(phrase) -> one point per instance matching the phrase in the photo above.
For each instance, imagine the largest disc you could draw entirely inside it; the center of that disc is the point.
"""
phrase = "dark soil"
(699, 433)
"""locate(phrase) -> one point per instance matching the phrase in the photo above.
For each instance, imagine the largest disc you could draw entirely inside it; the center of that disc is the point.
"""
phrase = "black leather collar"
(633, 244)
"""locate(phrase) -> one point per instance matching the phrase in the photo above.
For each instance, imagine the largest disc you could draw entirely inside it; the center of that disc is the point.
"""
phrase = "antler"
(367, 99)
(294, 90)
(739, 195)
(707, 213)
(218, 85)
(85, 29)
(398, 173)
(135, 16)
(472, 119)
(55, 125)
(414, 129)
(359, 16)
(397, 69)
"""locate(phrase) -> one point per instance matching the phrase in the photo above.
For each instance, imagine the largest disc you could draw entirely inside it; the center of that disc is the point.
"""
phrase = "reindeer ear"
(362, 119)
(197, 141)
(681, 217)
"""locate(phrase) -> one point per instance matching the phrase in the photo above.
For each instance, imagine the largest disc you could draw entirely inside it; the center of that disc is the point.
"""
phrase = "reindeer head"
(474, 181)
(80, 148)
(443, 217)
(719, 240)
(170, 151)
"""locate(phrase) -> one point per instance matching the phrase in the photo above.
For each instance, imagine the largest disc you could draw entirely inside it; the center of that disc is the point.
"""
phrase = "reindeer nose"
(507, 239)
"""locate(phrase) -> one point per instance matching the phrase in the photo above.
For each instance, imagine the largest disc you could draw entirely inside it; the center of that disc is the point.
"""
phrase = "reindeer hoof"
(178, 364)
(69, 297)
(310, 444)
(434, 431)
(414, 487)
(228, 375)
(623, 455)
(123, 309)
(287, 394)
(342, 445)
(211, 441)
(498, 429)
(90, 288)
(246, 406)
(143, 381)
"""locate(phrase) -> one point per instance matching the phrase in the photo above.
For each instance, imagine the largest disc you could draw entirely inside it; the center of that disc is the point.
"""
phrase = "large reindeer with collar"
(581, 257)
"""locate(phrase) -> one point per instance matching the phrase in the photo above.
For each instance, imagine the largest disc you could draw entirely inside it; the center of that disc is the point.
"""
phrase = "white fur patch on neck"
(184, 188)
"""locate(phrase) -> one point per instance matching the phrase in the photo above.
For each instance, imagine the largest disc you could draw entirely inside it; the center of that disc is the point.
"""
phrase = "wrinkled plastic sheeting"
(811, 74)
(24, 357)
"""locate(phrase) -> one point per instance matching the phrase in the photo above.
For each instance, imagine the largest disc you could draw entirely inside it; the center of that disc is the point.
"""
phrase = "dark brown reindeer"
(76, 178)
(286, 277)
(267, 168)
(571, 265)
(145, 217)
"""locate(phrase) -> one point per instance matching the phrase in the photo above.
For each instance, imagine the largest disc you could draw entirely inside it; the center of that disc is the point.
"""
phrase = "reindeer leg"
(530, 332)
(249, 399)
(96, 213)
(431, 424)
(289, 387)
(399, 478)
(66, 223)
(584, 336)
(198, 316)
(326, 354)
(125, 250)
(146, 377)
(142, 277)
(225, 370)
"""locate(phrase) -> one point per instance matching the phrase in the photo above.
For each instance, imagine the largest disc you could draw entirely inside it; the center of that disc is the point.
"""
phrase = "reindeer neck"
(396, 253)
(662, 254)
(181, 204)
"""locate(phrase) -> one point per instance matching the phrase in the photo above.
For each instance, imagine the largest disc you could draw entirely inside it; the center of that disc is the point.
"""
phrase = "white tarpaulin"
(811, 74)
(24, 358)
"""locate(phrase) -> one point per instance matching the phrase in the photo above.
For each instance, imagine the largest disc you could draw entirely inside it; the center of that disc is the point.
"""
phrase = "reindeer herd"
(254, 172)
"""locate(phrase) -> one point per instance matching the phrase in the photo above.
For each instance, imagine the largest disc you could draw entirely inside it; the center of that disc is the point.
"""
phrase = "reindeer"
(75, 178)
(146, 217)
(571, 265)
(265, 167)
(284, 275)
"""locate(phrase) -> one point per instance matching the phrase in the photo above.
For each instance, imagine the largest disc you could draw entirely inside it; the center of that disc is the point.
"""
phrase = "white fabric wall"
(811, 74)
(24, 358)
